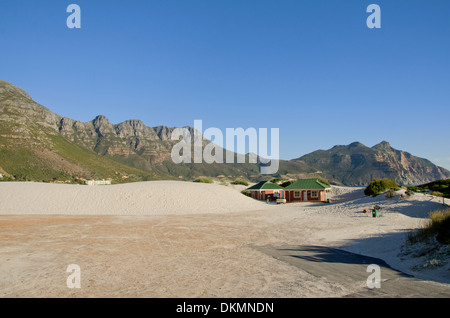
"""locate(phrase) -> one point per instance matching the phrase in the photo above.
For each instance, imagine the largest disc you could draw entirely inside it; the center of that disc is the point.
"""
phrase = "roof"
(308, 184)
(265, 185)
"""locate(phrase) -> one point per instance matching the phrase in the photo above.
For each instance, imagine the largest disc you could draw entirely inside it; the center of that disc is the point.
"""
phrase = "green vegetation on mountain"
(438, 187)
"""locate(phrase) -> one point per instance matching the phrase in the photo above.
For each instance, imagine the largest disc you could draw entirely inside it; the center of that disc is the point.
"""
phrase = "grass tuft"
(240, 181)
(437, 226)
(203, 180)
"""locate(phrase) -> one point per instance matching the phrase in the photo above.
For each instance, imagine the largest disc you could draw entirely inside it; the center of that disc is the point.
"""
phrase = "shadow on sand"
(332, 255)
(410, 207)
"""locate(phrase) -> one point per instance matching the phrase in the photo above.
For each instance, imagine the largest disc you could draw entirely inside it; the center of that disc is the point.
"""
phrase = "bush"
(437, 194)
(390, 194)
(441, 186)
(203, 180)
(324, 181)
(246, 192)
(378, 186)
(6, 178)
(276, 180)
(409, 193)
(438, 225)
(240, 182)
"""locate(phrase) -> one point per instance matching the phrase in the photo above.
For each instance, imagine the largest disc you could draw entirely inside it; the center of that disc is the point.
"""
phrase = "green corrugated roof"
(308, 184)
(265, 185)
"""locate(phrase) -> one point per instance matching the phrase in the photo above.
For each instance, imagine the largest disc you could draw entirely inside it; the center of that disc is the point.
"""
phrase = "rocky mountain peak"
(102, 125)
(384, 145)
(135, 123)
(100, 120)
(356, 144)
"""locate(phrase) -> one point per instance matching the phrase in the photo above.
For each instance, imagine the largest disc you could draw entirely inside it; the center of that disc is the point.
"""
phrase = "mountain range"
(39, 145)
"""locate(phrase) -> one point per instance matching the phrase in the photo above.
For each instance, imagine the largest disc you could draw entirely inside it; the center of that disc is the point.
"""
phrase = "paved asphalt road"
(345, 267)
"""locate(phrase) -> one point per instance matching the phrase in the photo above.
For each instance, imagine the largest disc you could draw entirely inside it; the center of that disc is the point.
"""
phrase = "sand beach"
(184, 239)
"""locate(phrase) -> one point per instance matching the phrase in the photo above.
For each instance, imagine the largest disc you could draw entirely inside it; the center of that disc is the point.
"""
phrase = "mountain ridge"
(358, 164)
(37, 144)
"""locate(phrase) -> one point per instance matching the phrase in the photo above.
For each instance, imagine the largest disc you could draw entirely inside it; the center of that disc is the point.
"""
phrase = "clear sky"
(311, 68)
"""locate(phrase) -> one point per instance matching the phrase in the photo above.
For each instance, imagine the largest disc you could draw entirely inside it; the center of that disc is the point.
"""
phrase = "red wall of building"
(290, 195)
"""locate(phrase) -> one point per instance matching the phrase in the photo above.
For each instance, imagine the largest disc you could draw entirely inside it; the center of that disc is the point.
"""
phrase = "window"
(314, 194)
(297, 194)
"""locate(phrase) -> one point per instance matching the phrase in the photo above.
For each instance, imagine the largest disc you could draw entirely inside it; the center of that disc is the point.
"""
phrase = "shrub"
(437, 194)
(240, 182)
(324, 181)
(441, 186)
(390, 194)
(380, 185)
(437, 225)
(276, 180)
(409, 192)
(6, 178)
(246, 192)
(203, 180)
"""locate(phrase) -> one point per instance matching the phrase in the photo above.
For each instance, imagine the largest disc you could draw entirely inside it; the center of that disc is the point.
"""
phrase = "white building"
(97, 182)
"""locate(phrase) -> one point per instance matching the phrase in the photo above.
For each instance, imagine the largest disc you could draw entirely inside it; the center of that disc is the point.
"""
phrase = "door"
(305, 196)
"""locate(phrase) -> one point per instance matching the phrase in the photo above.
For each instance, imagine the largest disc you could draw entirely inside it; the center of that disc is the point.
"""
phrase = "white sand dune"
(142, 198)
(346, 193)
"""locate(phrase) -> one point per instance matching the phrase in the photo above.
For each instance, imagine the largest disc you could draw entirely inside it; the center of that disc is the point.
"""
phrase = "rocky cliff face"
(406, 168)
(356, 164)
(129, 138)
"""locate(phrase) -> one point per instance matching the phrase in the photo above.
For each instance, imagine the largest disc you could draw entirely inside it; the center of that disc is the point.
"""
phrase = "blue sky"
(311, 68)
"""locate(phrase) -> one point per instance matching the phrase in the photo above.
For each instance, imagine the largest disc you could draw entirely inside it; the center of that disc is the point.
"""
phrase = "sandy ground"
(178, 239)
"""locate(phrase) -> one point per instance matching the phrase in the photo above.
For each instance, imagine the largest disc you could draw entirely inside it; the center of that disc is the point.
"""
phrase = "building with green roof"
(307, 190)
(266, 190)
